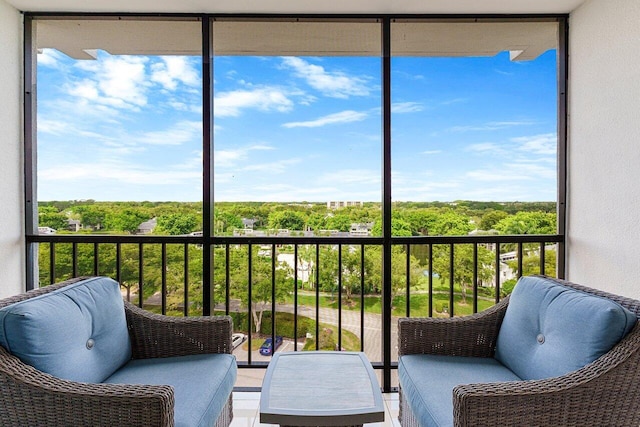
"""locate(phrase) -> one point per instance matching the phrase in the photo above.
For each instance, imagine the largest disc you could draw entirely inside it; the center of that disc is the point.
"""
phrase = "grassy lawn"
(419, 301)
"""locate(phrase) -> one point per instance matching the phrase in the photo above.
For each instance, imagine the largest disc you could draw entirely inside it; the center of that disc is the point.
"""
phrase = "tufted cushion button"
(540, 339)
(90, 343)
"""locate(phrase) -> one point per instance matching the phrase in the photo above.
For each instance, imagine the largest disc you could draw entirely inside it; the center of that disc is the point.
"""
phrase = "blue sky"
(296, 128)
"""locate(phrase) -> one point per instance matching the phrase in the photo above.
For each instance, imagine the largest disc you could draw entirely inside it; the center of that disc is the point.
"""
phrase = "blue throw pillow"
(78, 332)
(550, 329)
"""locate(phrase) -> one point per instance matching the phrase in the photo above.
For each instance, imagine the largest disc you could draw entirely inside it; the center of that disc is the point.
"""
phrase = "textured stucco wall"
(603, 231)
(12, 249)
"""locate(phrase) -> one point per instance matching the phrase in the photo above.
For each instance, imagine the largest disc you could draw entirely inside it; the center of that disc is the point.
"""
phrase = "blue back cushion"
(78, 332)
(550, 329)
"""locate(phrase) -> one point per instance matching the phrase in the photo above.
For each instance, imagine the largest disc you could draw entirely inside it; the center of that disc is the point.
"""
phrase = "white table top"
(317, 388)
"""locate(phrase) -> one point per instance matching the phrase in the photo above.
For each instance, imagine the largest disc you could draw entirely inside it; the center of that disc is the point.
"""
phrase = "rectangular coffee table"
(320, 388)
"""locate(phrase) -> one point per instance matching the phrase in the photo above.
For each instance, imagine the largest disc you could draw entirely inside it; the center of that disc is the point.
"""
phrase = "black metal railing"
(317, 292)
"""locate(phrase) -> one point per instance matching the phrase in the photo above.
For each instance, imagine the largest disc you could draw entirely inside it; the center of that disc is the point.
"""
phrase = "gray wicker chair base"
(29, 397)
(603, 393)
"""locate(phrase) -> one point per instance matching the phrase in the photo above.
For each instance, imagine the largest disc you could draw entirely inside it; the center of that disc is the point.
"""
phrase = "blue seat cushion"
(78, 332)
(427, 383)
(202, 383)
(550, 329)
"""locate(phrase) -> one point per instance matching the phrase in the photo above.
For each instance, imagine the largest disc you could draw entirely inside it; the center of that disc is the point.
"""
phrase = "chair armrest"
(605, 392)
(154, 335)
(31, 397)
(473, 336)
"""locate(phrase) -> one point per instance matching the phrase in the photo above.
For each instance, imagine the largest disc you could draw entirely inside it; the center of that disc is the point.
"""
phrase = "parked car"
(266, 347)
(238, 339)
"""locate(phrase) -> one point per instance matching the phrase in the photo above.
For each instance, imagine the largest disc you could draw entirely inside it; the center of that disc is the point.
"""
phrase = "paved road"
(350, 321)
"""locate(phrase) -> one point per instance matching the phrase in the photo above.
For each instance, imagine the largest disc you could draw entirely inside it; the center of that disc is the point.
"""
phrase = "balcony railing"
(326, 293)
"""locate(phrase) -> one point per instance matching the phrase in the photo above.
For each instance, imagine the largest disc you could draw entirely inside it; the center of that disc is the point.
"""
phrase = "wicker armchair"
(32, 398)
(603, 393)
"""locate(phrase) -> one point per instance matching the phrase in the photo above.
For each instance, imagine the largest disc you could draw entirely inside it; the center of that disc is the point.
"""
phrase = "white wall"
(12, 248)
(603, 249)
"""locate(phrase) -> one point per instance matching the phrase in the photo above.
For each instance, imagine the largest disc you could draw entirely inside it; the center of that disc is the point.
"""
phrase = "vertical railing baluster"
(52, 263)
(164, 278)
(339, 297)
(542, 258)
(118, 262)
(186, 280)
(520, 254)
(250, 297)
(362, 297)
(317, 296)
(430, 280)
(295, 297)
(408, 282)
(497, 273)
(273, 298)
(74, 259)
(451, 281)
(140, 273)
(475, 277)
(96, 262)
(227, 280)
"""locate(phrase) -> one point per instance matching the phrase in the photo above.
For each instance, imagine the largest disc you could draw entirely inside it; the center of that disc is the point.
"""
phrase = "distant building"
(147, 227)
(73, 225)
(361, 229)
(343, 204)
(46, 230)
(249, 222)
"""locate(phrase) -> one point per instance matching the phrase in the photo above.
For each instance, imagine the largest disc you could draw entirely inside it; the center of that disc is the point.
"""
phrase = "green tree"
(528, 223)
(398, 270)
(225, 221)
(421, 221)
(48, 216)
(338, 222)
(126, 220)
(399, 228)
(491, 218)
(261, 277)
(463, 265)
(287, 219)
(91, 215)
(177, 224)
(451, 223)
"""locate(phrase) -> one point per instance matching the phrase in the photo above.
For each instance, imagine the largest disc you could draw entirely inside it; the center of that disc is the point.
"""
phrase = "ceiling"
(80, 39)
(302, 6)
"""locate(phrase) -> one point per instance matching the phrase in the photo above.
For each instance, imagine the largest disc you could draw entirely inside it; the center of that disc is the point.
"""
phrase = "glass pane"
(474, 127)
(297, 128)
(119, 119)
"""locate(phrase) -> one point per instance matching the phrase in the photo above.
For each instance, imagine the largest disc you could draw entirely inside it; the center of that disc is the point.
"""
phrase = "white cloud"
(173, 70)
(49, 58)
(118, 82)
(486, 147)
(431, 152)
(227, 158)
(491, 126)
(334, 84)
(180, 133)
(52, 126)
(85, 89)
(115, 171)
(493, 175)
(544, 144)
(351, 176)
(406, 107)
(454, 101)
(347, 116)
(231, 104)
(279, 166)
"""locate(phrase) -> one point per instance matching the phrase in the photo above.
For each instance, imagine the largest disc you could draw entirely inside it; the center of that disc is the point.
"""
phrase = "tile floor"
(246, 410)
